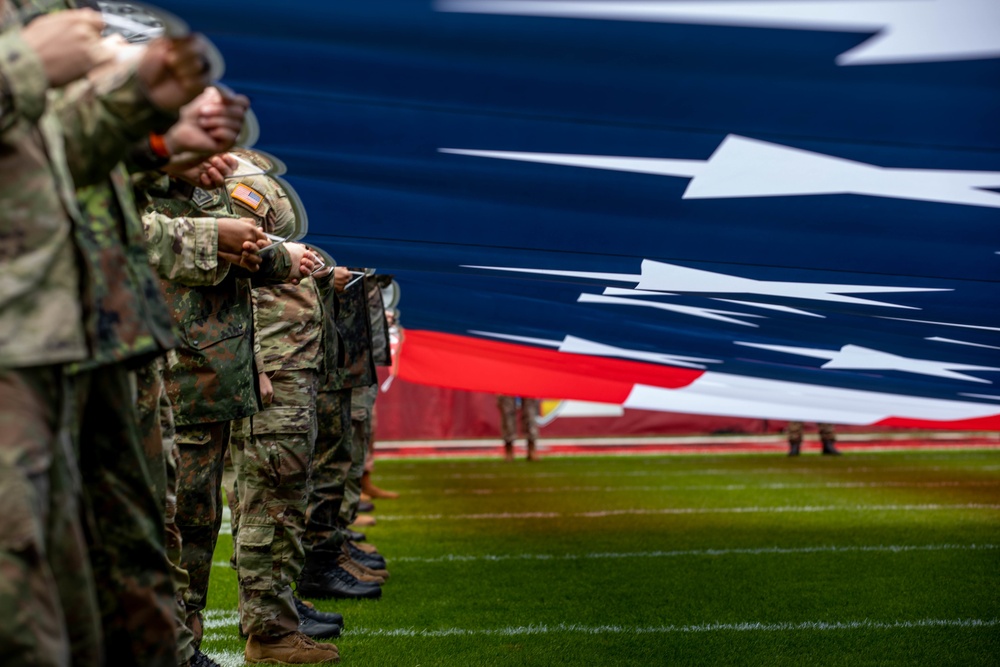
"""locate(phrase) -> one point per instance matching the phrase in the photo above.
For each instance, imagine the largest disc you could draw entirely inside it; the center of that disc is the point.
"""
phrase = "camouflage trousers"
(156, 423)
(131, 570)
(372, 430)
(272, 481)
(201, 448)
(331, 463)
(508, 418)
(362, 403)
(795, 430)
(48, 605)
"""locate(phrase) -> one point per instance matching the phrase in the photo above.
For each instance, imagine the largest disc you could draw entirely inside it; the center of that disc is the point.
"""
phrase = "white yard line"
(762, 551)
(688, 510)
(706, 487)
(235, 658)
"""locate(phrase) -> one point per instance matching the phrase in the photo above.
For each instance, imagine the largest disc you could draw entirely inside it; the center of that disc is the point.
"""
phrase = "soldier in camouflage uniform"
(508, 423)
(382, 356)
(827, 436)
(188, 251)
(97, 126)
(211, 382)
(273, 465)
(334, 567)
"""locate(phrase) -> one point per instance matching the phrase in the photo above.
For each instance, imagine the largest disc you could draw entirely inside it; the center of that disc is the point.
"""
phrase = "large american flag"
(785, 210)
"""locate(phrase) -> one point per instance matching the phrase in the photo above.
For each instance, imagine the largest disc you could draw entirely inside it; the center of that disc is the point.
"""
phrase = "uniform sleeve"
(258, 355)
(23, 84)
(184, 250)
(102, 120)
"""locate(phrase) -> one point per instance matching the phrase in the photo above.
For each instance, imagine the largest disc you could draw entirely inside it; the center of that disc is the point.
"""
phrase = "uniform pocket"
(254, 564)
(202, 333)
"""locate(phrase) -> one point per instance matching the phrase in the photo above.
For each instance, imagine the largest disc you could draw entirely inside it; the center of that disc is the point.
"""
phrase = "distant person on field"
(826, 436)
(508, 423)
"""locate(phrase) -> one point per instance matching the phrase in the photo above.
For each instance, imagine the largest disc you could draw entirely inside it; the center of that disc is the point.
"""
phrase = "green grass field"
(871, 558)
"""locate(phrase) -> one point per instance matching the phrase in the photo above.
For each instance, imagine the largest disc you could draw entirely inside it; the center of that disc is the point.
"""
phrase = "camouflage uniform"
(210, 382)
(273, 466)
(382, 356)
(336, 456)
(827, 437)
(38, 478)
(40, 326)
(184, 250)
(508, 418)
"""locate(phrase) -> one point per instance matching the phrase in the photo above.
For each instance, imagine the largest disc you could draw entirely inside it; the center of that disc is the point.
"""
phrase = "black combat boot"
(508, 451)
(326, 579)
(794, 446)
(373, 560)
(829, 449)
(307, 609)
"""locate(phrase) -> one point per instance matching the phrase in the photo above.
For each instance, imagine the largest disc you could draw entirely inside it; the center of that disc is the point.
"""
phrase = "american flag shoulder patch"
(248, 196)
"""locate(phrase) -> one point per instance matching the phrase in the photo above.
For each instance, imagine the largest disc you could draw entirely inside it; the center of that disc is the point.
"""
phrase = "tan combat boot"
(532, 456)
(508, 452)
(291, 649)
(357, 570)
(364, 520)
(373, 491)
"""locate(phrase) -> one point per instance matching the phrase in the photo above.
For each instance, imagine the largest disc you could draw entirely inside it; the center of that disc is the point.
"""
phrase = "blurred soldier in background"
(827, 436)
(508, 423)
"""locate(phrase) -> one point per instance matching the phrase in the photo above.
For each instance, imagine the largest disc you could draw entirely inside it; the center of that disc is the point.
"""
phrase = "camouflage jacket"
(288, 319)
(357, 366)
(185, 249)
(381, 355)
(125, 312)
(40, 299)
(213, 377)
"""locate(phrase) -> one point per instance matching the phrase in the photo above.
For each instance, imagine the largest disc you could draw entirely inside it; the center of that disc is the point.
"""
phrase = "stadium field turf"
(872, 558)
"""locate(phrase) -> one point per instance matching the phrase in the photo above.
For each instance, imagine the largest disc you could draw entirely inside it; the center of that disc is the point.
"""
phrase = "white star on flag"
(855, 357)
(660, 277)
(742, 167)
(575, 345)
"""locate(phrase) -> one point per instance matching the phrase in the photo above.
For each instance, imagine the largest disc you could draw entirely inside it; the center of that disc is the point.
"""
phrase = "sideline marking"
(702, 552)
(691, 510)
(707, 487)
(761, 551)
(234, 658)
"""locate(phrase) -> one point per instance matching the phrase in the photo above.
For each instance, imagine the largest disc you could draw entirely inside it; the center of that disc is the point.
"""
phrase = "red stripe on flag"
(474, 364)
(991, 423)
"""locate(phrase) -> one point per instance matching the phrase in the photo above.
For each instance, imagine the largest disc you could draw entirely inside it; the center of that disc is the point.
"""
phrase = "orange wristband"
(158, 145)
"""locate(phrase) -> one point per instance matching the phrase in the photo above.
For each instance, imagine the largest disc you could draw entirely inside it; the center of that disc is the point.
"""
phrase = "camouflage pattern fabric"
(354, 329)
(362, 402)
(37, 254)
(48, 607)
(508, 417)
(331, 463)
(134, 585)
(201, 449)
(213, 379)
(85, 131)
(184, 250)
(289, 319)
(372, 430)
(795, 430)
(124, 313)
(272, 480)
(381, 354)
(156, 423)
